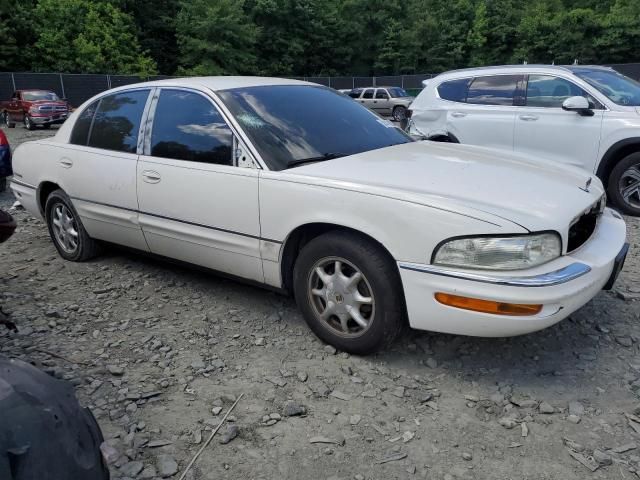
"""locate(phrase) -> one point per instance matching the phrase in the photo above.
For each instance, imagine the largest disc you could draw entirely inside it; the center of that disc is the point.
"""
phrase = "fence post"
(13, 81)
(402, 81)
(109, 82)
(64, 95)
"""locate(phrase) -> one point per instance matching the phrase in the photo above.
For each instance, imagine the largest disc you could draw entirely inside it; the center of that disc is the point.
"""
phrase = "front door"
(367, 98)
(545, 130)
(381, 102)
(195, 204)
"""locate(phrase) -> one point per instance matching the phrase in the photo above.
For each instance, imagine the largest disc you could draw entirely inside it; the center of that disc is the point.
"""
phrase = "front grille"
(582, 229)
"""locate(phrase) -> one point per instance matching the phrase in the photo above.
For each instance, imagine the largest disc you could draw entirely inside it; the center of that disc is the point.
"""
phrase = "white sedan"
(295, 186)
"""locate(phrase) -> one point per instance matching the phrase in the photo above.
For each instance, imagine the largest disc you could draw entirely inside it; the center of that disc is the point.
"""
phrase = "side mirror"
(580, 105)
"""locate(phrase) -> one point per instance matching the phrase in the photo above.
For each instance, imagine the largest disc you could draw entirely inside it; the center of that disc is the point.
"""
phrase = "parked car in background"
(586, 116)
(295, 186)
(389, 101)
(34, 108)
(5, 161)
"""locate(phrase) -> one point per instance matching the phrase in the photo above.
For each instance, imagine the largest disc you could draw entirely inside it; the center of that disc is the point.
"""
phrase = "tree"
(215, 37)
(88, 37)
(16, 31)
(619, 39)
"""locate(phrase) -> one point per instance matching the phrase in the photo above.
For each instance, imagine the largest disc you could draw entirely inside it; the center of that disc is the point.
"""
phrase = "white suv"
(587, 116)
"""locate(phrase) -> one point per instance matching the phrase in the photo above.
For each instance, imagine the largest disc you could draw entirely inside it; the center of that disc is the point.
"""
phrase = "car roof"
(524, 68)
(217, 83)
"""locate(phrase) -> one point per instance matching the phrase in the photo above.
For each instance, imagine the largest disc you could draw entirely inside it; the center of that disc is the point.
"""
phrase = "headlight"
(34, 109)
(499, 253)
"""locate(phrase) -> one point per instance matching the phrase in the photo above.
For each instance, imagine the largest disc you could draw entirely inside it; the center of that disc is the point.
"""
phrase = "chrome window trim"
(556, 277)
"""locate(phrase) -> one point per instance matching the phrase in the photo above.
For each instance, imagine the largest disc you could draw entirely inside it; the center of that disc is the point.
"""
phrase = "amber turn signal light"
(487, 306)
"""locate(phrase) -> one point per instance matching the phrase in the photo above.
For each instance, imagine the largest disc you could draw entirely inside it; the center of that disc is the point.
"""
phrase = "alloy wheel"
(341, 297)
(629, 186)
(65, 230)
(399, 114)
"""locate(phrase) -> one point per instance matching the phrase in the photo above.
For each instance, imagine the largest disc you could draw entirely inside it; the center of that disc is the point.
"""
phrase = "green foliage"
(87, 36)
(311, 37)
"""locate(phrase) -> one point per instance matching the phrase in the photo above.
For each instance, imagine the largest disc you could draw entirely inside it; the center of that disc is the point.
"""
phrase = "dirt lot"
(160, 353)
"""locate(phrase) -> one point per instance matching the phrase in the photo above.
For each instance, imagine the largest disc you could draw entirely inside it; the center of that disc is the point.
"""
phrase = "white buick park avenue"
(296, 187)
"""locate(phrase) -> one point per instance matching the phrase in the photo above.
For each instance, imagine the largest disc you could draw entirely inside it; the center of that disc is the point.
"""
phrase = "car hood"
(489, 184)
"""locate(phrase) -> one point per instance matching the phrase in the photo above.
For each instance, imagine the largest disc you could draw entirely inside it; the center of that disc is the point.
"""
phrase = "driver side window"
(547, 91)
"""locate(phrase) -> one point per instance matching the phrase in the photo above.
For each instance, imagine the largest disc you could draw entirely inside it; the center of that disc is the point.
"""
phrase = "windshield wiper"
(320, 158)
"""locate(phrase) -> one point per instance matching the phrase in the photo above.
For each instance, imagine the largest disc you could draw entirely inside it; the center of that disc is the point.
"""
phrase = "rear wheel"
(7, 121)
(66, 230)
(349, 292)
(624, 185)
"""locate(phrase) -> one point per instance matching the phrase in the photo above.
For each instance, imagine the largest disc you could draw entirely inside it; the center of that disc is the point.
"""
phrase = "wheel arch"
(614, 154)
(444, 137)
(302, 235)
(42, 193)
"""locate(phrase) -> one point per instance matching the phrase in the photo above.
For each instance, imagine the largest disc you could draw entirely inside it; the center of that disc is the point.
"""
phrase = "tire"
(5, 119)
(76, 247)
(28, 123)
(3, 184)
(379, 282)
(46, 126)
(623, 187)
(399, 113)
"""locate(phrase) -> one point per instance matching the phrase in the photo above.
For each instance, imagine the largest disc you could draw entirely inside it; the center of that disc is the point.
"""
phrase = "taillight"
(3, 140)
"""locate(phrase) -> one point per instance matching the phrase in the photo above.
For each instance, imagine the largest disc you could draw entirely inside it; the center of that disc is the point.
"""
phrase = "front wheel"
(349, 292)
(28, 123)
(624, 185)
(7, 120)
(66, 230)
(399, 113)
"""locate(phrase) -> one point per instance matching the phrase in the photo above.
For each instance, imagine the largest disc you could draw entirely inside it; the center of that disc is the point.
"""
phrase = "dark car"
(5, 161)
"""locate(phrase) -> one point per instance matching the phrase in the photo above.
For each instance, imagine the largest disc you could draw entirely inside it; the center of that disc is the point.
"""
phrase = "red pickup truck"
(33, 108)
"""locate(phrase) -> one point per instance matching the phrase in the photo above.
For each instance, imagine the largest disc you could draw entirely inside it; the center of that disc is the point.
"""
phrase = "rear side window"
(117, 121)
(187, 126)
(454, 90)
(493, 90)
(368, 93)
(80, 132)
(355, 93)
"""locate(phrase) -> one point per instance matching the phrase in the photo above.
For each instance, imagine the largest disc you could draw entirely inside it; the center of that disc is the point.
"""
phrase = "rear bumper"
(561, 286)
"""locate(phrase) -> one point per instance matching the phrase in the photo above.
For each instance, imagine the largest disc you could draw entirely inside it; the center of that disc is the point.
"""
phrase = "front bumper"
(562, 286)
(52, 119)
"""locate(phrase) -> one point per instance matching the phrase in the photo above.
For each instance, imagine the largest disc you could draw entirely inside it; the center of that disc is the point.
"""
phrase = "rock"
(524, 430)
(292, 409)
(576, 408)
(431, 362)
(507, 422)
(109, 453)
(398, 392)
(624, 341)
(355, 419)
(330, 349)
(198, 364)
(232, 432)
(159, 443)
(341, 396)
(166, 466)
(322, 439)
(394, 457)
(546, 408)
(259, 342)
(570, 444)
(149, 472)
(625, 448)
(407, 436)
(115, 370)
(302, 376)
(602, 458)
(216, 410)
(131, 469)
(467, 456)
(574, 419)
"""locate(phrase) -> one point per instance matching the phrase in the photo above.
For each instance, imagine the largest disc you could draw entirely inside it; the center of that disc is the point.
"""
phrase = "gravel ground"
(161, 352)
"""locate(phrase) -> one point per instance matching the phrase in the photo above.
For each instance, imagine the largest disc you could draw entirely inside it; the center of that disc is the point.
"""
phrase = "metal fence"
(77, 88)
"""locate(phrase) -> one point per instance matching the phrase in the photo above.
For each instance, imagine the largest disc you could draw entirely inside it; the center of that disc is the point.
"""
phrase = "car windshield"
(618, 88)
(295, 124)
(34, 96)
(397, 92)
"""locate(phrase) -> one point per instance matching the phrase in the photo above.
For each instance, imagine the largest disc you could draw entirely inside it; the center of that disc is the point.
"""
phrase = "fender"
(614, 153)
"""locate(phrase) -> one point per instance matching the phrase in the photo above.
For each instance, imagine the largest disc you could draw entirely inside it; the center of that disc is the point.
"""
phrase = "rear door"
(487, 116)
(98, 168)
(544, 129)
(196, 204)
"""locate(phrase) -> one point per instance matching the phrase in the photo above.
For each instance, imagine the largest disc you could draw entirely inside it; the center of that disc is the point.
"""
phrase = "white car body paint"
(409, 198)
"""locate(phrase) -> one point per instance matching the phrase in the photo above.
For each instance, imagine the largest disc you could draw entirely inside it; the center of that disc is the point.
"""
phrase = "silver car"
(393, 101)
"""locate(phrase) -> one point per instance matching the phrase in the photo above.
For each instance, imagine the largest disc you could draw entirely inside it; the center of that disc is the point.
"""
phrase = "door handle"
(458, 114)
(529, 118)
(66, 163)
(151, 176)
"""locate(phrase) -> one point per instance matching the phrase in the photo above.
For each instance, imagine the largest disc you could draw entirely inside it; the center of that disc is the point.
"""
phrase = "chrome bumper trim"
(563, 275)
